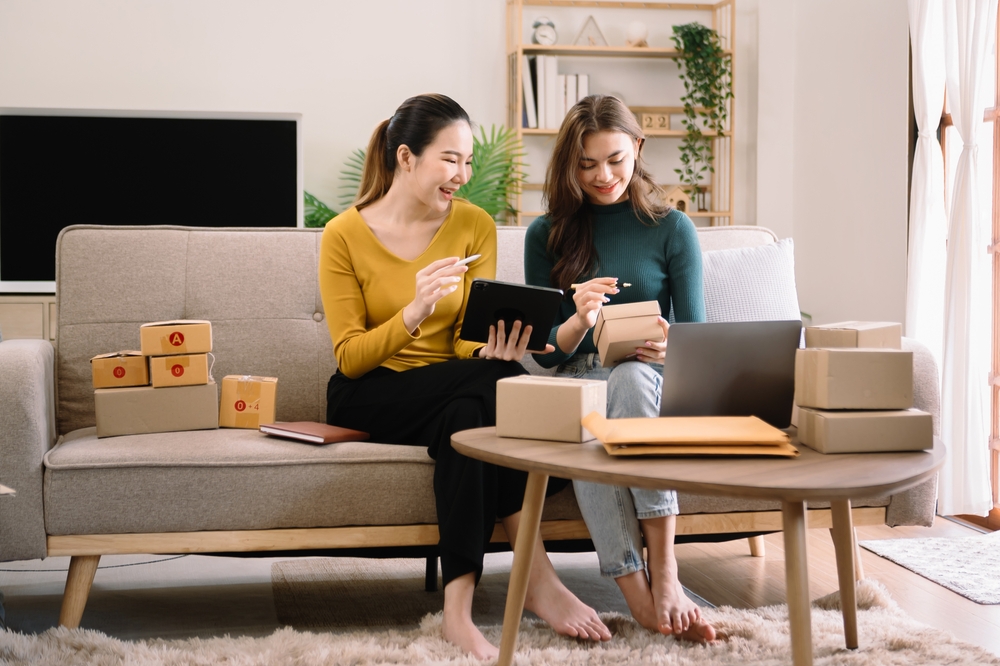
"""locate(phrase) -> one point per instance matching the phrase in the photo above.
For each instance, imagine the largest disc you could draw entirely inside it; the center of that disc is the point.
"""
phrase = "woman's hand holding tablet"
(510, 318)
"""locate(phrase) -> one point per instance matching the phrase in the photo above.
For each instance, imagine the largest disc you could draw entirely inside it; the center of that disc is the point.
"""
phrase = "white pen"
(467, 259)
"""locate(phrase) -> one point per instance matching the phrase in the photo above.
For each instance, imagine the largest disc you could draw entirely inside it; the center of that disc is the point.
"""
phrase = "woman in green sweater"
(606, 229)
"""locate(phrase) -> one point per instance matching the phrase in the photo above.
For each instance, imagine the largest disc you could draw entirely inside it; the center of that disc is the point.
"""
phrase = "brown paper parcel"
(690, 436)
(620, 329)
(247, 401)
(117, 369)
(550, 408)
(854, 378)
(866, 431)
(180, 370)
(180, 336)
(144, 409)
(870, 334)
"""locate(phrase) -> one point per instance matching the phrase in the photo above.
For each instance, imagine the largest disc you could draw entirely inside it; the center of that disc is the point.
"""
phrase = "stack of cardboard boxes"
(854, 391)
(165, 387)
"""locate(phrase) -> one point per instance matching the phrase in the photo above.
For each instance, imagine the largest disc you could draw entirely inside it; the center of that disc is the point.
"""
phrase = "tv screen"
(125, 168)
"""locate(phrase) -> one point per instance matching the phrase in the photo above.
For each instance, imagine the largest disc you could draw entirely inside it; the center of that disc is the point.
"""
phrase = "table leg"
(843, 543)
(527, 539)
(793, 518)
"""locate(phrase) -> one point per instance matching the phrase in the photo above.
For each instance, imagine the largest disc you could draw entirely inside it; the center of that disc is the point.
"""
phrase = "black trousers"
(424, 407)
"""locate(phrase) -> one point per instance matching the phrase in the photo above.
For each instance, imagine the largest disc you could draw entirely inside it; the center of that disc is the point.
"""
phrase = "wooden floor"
(725, 574)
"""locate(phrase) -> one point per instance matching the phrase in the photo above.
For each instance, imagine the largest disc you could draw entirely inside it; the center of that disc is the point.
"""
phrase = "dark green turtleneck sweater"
(662, 263)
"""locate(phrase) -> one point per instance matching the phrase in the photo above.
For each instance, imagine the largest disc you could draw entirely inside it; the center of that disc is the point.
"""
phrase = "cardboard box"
(117, 369)
(181, 336)
(853, 379)
(874, 334)
(247, 401)
(180, 370)
(622, 328)
(870, 431)
(144, 409)
(534, 407)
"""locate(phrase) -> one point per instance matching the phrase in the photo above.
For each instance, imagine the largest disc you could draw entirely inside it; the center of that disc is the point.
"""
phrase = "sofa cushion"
(235, 479)
(751, 284)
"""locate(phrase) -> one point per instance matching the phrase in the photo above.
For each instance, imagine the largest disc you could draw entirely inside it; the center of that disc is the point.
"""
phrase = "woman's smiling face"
(606, 166)
(444, 166)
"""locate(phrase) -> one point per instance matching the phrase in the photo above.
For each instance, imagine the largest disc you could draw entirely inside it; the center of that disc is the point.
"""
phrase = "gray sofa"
(232, 491)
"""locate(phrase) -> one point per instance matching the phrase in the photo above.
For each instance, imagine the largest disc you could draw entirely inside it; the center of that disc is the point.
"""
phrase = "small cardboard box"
(247, 401)
(144, 409)
(872, 334)
(620, 329)
(181, 336)
(180, 370)
(853, 379)
(869, 431)
(533, 407)
(117, 369)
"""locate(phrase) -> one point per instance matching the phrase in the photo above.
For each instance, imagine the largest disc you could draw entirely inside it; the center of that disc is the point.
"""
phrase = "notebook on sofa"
(313, 432)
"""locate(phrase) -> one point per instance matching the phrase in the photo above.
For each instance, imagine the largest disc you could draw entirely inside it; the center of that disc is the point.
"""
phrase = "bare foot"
(555, 604)
(675, 612)
(462, 631)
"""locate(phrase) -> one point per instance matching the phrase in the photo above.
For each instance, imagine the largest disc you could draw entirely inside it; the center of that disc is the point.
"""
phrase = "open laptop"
(731, 369)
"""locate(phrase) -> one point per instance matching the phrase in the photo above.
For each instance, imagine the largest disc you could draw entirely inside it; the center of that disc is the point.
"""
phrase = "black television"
(61, 167)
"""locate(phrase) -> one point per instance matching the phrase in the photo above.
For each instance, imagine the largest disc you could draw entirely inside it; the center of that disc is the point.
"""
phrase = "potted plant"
(706, 70)
(497, 173)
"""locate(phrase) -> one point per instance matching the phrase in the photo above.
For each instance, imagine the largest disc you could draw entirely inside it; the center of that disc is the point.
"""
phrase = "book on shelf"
(582, 86)
(552, 117)
(540, 90)
(313, 432)
(528, 85)
(570, 92)
(561, 96)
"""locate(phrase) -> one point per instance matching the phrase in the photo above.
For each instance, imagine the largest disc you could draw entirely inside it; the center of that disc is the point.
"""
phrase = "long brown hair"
(415, 125)
(571, 240)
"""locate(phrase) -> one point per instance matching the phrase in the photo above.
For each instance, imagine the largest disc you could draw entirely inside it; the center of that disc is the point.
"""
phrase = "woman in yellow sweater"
(395, 290)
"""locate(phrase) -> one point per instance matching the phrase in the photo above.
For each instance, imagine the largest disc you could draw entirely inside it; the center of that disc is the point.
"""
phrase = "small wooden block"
(654, 121)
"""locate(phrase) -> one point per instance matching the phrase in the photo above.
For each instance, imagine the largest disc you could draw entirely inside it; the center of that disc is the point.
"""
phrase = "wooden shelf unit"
(723, 21)
(28, 316)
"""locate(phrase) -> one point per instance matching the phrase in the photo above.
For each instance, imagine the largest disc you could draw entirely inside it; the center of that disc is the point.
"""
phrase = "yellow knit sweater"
(365, 287)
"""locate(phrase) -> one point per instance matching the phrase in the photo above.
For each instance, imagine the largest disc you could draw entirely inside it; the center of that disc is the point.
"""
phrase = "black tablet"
(491, 301)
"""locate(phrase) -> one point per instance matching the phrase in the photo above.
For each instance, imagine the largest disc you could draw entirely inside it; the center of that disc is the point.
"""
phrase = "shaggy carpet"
(966, 565)
(760, 636)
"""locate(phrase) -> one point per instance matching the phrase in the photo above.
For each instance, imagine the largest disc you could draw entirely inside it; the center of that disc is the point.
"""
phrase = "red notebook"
(313, 432)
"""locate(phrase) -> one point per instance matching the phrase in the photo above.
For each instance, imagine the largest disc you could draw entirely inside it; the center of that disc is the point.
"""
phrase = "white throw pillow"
(751, 283)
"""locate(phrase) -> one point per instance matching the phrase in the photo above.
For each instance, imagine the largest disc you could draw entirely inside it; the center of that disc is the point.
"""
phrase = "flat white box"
(867, 431)
(853, 378)
(551, 408)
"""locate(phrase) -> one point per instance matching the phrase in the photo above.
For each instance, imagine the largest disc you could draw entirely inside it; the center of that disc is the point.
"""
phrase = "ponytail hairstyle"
(571, 240)
(415, 125)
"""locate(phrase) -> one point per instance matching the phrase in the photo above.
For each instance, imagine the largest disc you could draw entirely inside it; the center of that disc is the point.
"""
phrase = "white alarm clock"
(545, 32)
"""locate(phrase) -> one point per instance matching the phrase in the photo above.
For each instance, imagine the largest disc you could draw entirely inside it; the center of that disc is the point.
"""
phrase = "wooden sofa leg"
(78, 581)
(859, 572)
(431, 574)
(756, 545)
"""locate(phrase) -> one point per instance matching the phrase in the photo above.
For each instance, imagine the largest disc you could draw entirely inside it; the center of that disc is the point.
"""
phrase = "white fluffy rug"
(966, 565)
(888, 637)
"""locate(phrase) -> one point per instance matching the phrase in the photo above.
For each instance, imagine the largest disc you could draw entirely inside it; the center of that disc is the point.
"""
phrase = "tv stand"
(28, 316)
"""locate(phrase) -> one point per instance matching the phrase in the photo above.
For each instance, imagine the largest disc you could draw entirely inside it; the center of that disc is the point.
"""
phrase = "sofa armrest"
(917, 506)
(926, 381)
(27, 431)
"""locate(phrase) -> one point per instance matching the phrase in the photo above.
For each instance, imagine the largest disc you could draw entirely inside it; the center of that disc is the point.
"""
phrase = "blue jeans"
(612, 513)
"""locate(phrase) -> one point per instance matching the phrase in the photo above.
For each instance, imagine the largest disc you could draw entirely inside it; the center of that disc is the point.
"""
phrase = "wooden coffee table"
(810, 477)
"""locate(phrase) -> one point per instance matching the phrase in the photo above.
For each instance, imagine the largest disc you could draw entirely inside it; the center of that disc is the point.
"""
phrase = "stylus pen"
(623, 285)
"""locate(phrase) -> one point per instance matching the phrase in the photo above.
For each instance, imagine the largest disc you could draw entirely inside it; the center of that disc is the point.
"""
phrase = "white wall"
(820, 99)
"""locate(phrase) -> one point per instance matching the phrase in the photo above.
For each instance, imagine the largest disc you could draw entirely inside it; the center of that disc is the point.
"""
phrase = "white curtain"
(970, 29)
(928, 223)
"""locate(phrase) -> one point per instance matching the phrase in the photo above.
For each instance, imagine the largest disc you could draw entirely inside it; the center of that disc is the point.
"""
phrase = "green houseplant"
(706, 70)
(497, 173)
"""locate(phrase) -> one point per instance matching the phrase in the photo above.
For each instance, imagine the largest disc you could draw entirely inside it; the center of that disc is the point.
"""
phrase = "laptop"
(731, 369)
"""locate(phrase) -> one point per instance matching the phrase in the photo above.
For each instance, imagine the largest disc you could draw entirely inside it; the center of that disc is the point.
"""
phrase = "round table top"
(810, 476)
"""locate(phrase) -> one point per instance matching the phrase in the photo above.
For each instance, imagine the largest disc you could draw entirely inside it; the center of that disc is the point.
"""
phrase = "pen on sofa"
(623, 285)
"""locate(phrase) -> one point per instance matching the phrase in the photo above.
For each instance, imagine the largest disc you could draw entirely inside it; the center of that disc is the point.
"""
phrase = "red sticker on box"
(118, 372)
(176, 338)
(177, 370)
(240, 405)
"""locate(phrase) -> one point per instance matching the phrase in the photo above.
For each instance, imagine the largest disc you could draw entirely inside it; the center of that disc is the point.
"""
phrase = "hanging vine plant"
(706, 70)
